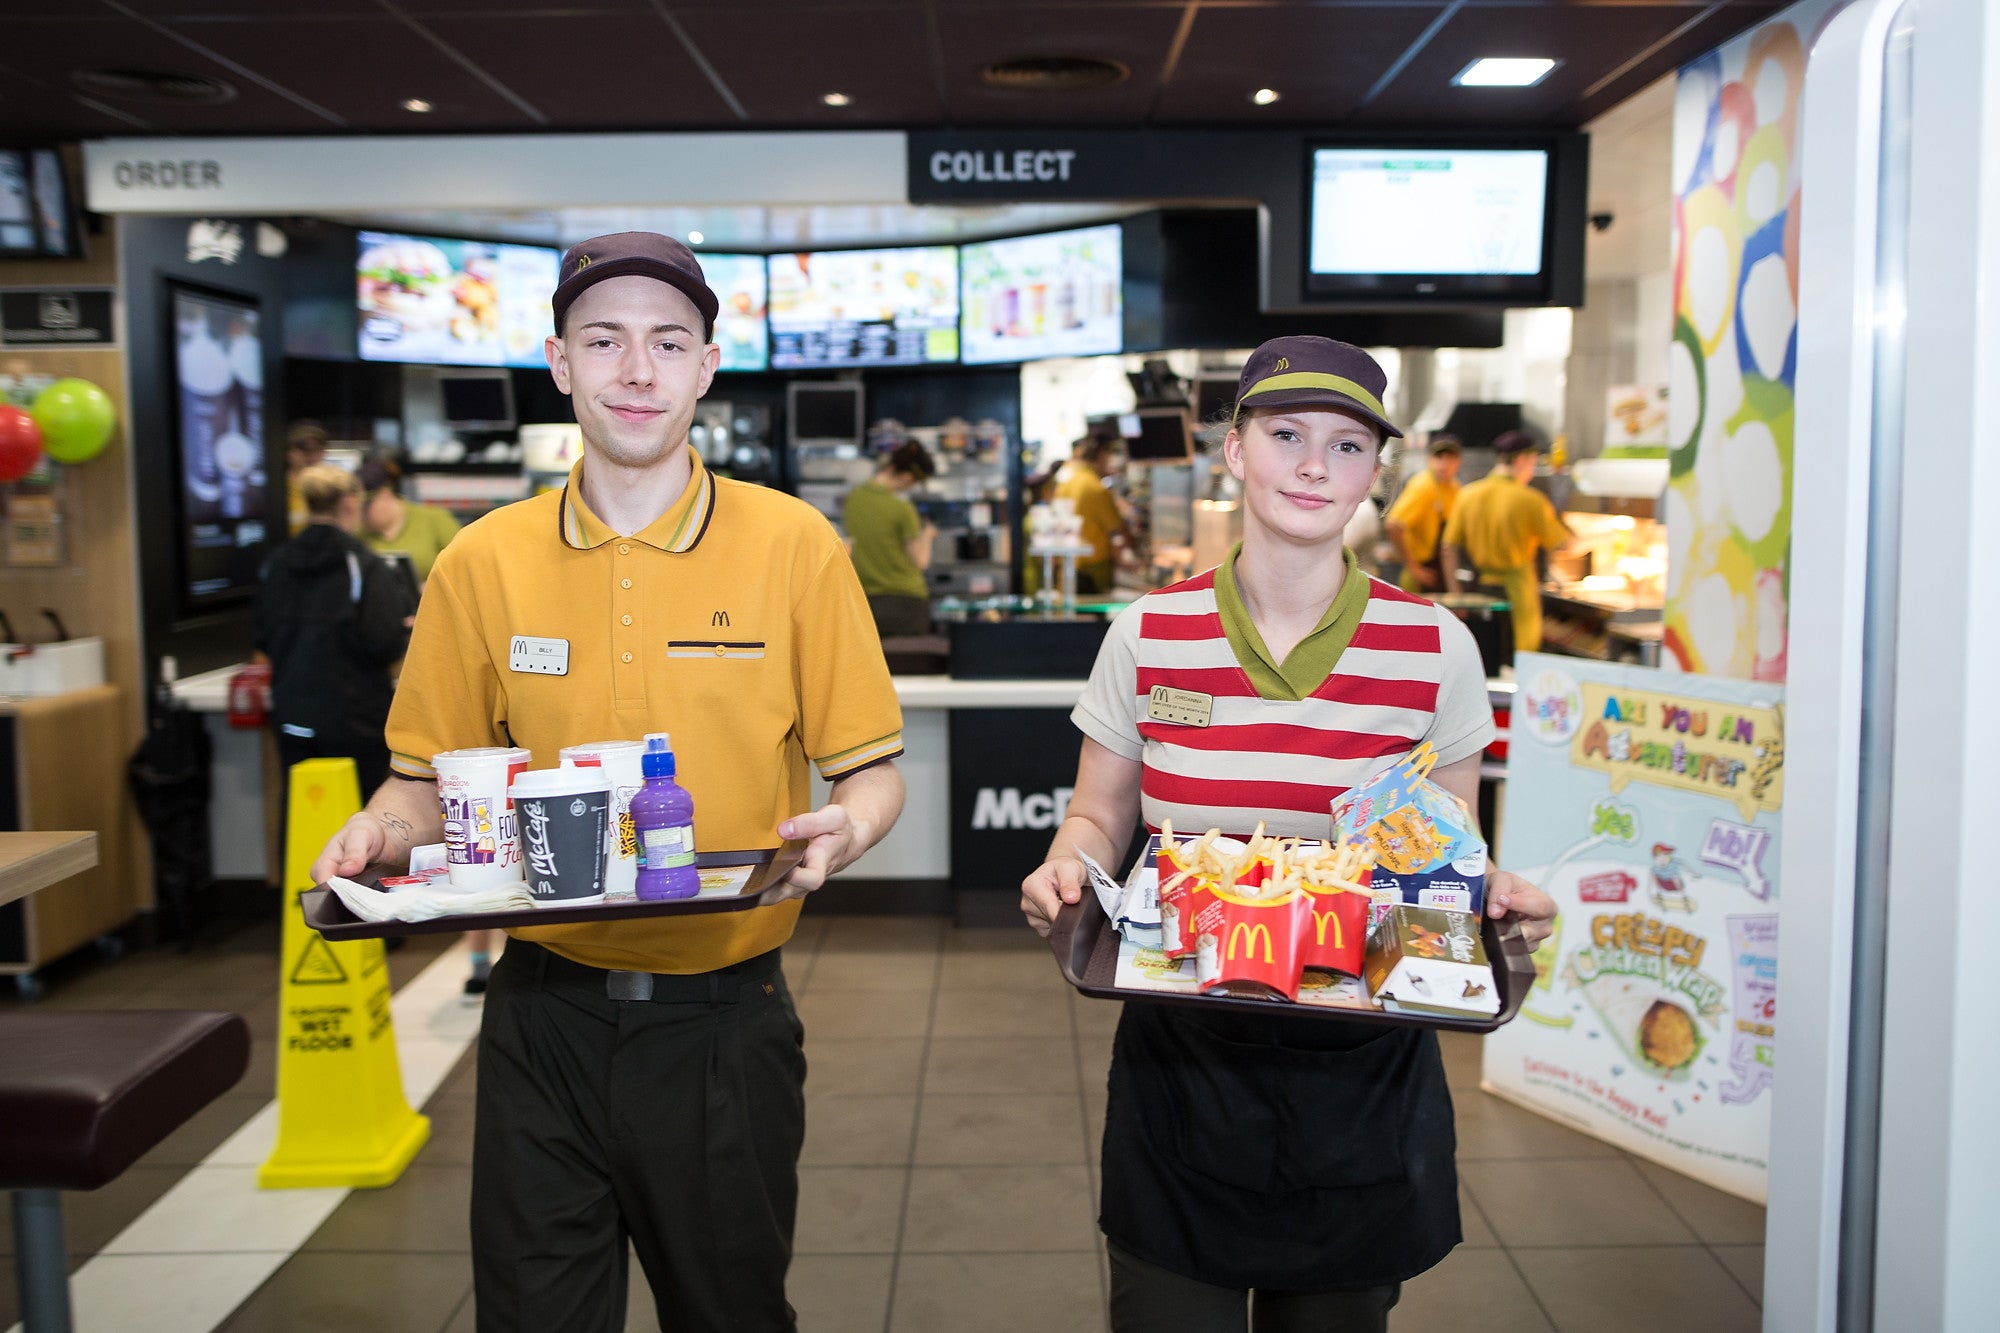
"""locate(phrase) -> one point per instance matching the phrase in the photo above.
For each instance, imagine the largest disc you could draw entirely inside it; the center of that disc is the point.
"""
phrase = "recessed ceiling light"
(694, 238)
(416, 104)
(836, 99)
(1265, 96)
(1505, 72)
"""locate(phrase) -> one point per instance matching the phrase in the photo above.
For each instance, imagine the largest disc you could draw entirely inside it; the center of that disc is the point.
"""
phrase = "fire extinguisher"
(250, 696)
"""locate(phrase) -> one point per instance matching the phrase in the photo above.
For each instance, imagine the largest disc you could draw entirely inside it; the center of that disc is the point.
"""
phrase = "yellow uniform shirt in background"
(1080, 485)
(427, 530)
(734, 622)
(1499, 524)
(1423, 509)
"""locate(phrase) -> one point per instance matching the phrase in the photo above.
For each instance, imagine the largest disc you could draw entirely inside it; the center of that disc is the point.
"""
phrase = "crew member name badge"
(1189, 708)
(541, 657)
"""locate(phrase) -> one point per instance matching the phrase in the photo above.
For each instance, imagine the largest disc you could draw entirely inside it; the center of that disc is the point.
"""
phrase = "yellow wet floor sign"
(342, 1117)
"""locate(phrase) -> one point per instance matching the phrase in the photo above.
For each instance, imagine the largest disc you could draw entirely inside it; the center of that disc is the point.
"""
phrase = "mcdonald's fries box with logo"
(730, 882)
(1304, 950)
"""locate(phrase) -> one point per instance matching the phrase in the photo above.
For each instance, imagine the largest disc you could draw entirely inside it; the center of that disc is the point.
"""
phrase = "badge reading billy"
(1189, 708)
(541, 657)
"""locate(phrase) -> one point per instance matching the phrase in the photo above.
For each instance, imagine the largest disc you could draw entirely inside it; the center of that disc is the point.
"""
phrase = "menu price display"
(739, 284)
(864, 307)
(454, 303)
(1058, 294)
(1428, 211)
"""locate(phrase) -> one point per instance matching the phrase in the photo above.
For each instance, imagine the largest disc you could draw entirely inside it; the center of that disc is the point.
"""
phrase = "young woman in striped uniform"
(1307, 1161)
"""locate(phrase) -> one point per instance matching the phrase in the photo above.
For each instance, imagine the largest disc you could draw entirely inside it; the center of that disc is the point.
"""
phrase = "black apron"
(1280, 1153)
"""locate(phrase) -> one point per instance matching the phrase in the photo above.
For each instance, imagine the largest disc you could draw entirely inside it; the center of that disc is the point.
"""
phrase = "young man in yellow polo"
(1415, 523)
(643, 1080)
(1500, 524)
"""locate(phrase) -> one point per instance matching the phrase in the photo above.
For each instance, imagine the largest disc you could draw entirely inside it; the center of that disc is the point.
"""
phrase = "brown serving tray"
(329, 916)
(1086, 949)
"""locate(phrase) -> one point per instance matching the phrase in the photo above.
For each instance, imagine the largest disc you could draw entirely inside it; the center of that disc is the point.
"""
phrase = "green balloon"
(76, 418)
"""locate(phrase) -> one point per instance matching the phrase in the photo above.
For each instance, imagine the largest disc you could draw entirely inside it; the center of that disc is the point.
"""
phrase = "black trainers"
(475, 985)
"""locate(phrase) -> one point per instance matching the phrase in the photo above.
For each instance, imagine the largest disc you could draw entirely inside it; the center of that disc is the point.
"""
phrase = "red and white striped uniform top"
(1411, 673)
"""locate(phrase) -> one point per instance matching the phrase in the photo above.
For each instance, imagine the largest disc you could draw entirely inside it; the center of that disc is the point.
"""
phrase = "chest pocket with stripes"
(724, 649)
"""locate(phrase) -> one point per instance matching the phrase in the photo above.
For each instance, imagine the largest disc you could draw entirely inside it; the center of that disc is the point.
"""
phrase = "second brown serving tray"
(325, 913)
(1086, 949)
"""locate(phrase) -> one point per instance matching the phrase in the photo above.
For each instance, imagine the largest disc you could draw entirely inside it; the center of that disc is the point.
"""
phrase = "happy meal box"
(1427, 847)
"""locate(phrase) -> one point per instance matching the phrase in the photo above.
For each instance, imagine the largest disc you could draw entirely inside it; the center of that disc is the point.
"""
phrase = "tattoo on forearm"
(401, 827)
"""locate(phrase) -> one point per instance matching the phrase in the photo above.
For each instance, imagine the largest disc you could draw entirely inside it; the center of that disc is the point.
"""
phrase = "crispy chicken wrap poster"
(1646, 803)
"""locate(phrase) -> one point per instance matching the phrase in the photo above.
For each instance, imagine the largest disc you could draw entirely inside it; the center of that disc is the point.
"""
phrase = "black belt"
(718, 987)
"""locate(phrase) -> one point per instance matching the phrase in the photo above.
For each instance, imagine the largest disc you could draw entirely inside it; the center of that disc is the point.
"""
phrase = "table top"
(30, 862)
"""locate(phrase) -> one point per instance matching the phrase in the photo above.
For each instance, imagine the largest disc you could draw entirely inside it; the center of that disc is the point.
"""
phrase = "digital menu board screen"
(453, 303)
(738, 282)
(219, 426)
(1058, 294)
(864, 307)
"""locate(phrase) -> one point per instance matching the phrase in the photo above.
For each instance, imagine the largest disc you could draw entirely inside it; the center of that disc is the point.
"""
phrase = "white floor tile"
(164, 1293)
(219, 1209)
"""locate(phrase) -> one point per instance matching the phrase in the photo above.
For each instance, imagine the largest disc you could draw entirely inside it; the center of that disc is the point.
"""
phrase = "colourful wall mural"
(1734, 356)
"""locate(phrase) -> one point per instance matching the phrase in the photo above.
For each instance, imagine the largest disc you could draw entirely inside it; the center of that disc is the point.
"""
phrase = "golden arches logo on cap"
(1284, 363)
(583, 261)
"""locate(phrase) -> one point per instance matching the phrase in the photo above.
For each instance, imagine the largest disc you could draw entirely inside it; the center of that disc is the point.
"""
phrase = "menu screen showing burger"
(1051, 295)
(738, 284)
(453, 303)
(864, 307)
(219, 378)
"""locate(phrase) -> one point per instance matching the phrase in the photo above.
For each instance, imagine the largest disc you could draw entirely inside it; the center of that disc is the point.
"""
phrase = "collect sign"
(57, 317)
(1645, 803)
(953, 166)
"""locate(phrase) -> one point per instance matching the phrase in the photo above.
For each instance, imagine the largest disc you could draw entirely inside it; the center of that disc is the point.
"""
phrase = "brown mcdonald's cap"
(644, 253)
(1309, 371)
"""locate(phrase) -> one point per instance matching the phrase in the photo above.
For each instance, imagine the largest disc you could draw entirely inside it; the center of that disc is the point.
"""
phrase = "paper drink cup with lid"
(482, 836)
(564, 814)
(620, 762)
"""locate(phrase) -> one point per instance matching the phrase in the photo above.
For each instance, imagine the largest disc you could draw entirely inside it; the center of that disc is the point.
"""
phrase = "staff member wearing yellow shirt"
(1500, 524)
(1081, 482)
(643, 1080)
(1415, 523)
(391, 523)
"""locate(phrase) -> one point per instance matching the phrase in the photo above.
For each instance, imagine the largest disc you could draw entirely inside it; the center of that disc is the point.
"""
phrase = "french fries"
(1290, 864)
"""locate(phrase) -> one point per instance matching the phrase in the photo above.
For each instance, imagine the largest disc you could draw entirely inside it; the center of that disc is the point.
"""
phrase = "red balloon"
(20, 443)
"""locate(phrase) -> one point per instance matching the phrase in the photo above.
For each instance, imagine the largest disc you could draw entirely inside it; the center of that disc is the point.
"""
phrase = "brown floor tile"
(205, 1131)
(874, 970)
(1746, 1264)
(641, 1315)
(858, 1131)
(976, 1066)
(861, 1066)
(1654, 1289)
(963, 1210)
(339, 1293)
(1094, 1102)
(450, 1143)
(997, 1293)
(1441, 1300)
(920, 934)
(1472, 1223)
(1714, 1217)
(1571, 1203)
(864, 1013)
(92, 1217)
(1015, 937)
(840, 1293)
(1462, 1053)
(1001, 1131)
(1001, 1013)
(463, 1079)
(977, 967)
(1095, 1015)
(427, 1211)
(1492, 1128)
(1093, 1058)
(849, 1209)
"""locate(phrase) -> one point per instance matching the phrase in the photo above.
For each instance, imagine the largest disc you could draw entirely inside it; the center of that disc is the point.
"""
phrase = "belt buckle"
(628, 985)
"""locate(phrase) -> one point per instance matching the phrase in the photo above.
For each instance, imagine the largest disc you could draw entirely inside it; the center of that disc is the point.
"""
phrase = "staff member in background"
(1307, 1161)
(891, 544)
(305, 446)
(1501, 525)
(1081, 482)
(643, 1080)
(392, 523)
(1416, 521)
(333, 620)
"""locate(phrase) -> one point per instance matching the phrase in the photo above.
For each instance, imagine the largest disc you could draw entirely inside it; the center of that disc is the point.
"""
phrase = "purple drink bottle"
(663, 826)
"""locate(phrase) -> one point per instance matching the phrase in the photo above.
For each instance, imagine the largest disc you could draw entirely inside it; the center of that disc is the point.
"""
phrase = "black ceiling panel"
(1139, 38)
(646, 80)
(780, 63)
(1321, 60)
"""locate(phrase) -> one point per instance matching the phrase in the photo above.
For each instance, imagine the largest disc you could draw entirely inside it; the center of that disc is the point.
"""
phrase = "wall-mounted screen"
(36, 219)
(1415, 221)
(739, 284)
(823, 415)
(1157, 435)
(219, 418)
(864, 307)
(1058, 294)
(477, 400)
(435, 301)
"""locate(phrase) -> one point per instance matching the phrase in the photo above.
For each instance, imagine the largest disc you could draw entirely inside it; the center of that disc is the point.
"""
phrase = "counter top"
(30, 862)
(206, 693)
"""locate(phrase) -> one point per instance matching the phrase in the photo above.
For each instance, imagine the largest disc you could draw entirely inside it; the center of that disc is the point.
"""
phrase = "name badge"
(1189, 708)
(542, 657)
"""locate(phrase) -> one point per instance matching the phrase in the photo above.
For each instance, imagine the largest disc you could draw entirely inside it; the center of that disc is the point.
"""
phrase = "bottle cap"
(657, 760)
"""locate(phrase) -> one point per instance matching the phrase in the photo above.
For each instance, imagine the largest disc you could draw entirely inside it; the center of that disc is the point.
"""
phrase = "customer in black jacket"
(333, 618)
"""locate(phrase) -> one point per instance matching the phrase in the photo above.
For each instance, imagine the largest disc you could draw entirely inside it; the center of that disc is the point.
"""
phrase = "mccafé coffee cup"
(564, 814)
(620, 761)
(482, 840)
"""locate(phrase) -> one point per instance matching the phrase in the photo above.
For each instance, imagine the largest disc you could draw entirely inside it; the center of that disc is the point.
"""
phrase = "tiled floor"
(947, 1186)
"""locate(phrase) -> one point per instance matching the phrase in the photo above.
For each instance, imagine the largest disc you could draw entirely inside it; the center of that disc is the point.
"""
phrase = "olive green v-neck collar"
(1313, 659)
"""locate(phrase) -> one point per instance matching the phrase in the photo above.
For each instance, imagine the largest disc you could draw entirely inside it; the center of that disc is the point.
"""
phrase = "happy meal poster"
(1646, 803)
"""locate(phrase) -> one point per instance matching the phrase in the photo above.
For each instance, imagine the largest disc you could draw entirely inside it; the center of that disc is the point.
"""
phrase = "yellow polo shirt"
(734, 622)
(1423, 509)
(1079, 483)
(1499, 524)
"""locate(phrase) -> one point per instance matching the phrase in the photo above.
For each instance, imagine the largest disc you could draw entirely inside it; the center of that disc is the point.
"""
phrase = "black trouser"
(673, 1122)
(1146, 1298)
